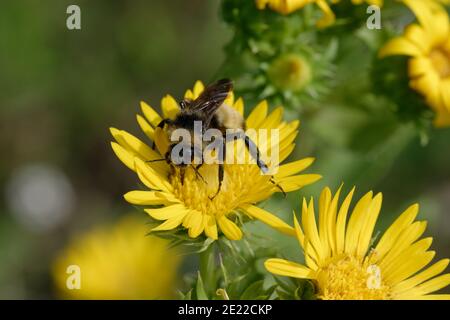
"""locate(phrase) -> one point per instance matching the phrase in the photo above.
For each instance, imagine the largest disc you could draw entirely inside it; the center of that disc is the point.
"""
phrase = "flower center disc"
(346, 278)
(440, 59)
(202, 193)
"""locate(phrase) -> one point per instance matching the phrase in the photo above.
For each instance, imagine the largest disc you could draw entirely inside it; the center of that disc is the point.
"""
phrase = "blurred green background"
(62, 89)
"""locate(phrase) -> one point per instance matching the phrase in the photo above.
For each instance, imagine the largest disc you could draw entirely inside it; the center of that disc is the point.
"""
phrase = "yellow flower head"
(289, 6)
(193, 203)
(428, 46)
(117, 262)
(341, 261)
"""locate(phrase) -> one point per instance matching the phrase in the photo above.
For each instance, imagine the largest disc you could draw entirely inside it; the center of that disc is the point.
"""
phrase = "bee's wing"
(212, 98)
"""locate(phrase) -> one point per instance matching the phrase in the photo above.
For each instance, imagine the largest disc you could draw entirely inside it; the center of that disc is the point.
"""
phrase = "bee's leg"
(255, 153)
(221, 174)
(197, 173)
(221, 168)
(155, 160)
(278, 186)
(182, 172)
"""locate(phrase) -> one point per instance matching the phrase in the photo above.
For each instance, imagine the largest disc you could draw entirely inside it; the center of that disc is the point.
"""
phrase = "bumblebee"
(210, 111)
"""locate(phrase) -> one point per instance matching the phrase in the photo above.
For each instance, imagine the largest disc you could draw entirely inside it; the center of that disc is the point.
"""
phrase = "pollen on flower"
(203, 194)
(347, 278)
(440, 58)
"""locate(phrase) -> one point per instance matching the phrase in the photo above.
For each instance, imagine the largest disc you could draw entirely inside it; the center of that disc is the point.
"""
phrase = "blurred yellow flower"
(191, 205)
(118, 262)
(428, 45)
(340, 259)
(289, 6)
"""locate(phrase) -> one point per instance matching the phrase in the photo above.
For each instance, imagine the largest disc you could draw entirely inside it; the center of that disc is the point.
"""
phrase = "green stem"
(207, 267)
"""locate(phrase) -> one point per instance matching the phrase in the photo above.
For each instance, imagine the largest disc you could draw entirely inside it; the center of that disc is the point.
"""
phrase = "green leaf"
(253, 291)
(200, 289)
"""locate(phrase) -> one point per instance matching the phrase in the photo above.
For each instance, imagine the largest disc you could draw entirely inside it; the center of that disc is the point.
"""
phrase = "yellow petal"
(408, 262)
(170, 223)
(422, 12)
(198, 89)
(152, 116)
(299, 232)
(151, 178)
(143, 198)
(258, 115)
(229, 228)
(210, 226)
(286, 152)
(399, 46)
(289, 269)
(435, 284)
(405, 239)
(428, 273)
(139, 149)
(169, 107)
(311, 256)
(390, 236)
(126, 157)
(229, 101)
(324, 203)
(427, 85)
(342, 221)
(146, 127)
(368, 225)
(239, 106)
(434, 21)
(269, 219)
(161, 141)
(418, 36)
(419, 66)
(189, 95)
(197, 225)
(273, 119)
(291, 168)
(310, 229)
(328, 15)
(355, 223)
(189, 219)
(292, 183)
(414, 265)
(168, 212)
(331, 221)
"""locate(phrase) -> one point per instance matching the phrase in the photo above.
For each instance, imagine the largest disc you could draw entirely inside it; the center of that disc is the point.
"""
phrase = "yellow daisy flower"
(117, 262)
(289, 6)
(428, 45)
(342, 263)
(190, 204)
